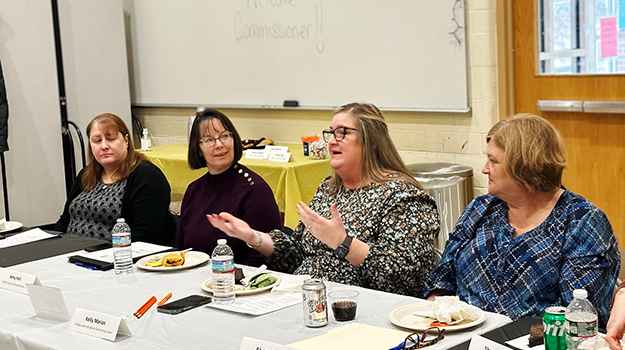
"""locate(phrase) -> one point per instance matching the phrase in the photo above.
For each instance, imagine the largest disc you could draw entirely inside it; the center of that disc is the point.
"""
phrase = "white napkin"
(290, 284)
(450, 308)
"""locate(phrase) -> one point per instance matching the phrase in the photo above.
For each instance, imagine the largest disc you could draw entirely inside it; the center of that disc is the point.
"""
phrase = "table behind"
(61, 244)
(204, 327)
(291, 182)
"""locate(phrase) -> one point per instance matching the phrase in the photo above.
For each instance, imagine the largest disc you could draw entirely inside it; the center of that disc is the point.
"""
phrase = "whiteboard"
(397, 54)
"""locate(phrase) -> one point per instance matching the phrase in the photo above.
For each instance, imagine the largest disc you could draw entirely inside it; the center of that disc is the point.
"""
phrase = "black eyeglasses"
(339, 133)
(414, 341)
(209, 141)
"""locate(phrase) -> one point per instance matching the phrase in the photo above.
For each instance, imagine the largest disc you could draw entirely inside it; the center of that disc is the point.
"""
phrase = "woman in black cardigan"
(117, 183)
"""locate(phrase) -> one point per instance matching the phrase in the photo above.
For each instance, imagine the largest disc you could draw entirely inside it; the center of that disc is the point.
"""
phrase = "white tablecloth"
(201, 328)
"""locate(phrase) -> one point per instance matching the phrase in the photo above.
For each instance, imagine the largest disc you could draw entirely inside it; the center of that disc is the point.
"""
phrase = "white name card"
(480, 343)
(48, 302)
(98, 324)
(256, 154)
(279, 156)
(16, 281)
(272, 148)
(256, 344)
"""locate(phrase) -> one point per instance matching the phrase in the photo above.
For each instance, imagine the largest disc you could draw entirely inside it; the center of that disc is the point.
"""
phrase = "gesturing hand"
(231, 226)
(331, 232)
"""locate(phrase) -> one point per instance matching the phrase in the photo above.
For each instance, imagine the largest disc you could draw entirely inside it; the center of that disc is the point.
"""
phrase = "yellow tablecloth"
(291, 182)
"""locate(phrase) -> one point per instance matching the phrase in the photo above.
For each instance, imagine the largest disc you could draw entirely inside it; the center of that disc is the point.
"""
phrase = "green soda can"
(553, 328)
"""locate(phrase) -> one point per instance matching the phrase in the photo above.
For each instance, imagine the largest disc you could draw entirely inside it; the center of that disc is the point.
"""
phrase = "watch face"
(341, 251)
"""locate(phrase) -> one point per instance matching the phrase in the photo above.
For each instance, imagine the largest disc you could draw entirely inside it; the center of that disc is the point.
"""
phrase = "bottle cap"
(580, 294)
(222, 241)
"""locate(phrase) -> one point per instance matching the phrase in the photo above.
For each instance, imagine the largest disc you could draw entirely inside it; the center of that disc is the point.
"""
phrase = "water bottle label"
(223, 266)
(581, 329)
(121, 240)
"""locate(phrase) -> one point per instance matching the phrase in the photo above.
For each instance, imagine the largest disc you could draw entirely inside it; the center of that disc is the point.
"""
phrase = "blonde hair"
(534, 153)
(380, 160)
(93, 170)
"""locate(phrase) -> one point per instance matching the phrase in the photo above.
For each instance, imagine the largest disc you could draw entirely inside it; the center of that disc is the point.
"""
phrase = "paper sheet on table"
(290, 284)
(354, 336)
(260, 304)
(25, 237)
(139, 249)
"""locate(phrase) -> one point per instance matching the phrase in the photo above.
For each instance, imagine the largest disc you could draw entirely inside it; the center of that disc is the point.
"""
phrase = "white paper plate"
(207, 286)
(403, 317)
(191, 259)
(10, 226)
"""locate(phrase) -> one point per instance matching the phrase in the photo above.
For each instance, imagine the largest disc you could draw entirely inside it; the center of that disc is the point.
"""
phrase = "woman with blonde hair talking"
(529, 242)
(370, 224)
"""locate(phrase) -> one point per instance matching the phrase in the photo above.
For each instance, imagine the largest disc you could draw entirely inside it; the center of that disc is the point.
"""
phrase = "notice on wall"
(608, 37)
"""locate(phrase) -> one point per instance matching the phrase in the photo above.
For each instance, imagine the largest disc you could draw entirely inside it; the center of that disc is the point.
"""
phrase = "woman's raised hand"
(331, 232)
(232, 226)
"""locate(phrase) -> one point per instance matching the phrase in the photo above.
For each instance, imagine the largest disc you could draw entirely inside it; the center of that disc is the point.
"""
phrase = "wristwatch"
(342, 250)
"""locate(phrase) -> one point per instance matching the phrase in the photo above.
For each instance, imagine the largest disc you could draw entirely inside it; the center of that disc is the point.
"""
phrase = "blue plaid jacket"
(521, 276)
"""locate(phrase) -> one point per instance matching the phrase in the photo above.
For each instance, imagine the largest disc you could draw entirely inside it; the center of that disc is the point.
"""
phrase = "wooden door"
(595, 143)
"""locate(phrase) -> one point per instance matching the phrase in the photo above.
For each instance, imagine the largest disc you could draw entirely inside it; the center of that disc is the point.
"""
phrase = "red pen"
(164, 300)
(145, 307)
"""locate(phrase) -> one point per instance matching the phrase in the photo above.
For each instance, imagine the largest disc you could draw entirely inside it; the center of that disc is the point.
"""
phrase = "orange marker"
(164, 300)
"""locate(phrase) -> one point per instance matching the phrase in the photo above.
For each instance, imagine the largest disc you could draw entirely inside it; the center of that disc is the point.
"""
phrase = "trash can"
(451, 186)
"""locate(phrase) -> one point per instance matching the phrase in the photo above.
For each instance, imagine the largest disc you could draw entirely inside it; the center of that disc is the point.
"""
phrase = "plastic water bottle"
(122, 249)
(146, 143)
(223, 273)
(580, 321)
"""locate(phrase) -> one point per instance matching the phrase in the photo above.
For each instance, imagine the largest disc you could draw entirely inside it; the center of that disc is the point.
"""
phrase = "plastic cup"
(344, 304)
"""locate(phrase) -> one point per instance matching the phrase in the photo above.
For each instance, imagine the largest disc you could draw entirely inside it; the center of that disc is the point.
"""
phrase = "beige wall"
(419, 137)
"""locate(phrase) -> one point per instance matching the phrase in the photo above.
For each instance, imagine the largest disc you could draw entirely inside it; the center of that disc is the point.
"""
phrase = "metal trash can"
(451, 186)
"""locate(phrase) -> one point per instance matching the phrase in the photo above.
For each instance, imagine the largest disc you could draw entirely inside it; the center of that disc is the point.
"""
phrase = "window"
(581, 37)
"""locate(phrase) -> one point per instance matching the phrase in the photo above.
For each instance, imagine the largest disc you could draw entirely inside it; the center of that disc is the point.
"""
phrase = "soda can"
(314, 303)
(553, 328)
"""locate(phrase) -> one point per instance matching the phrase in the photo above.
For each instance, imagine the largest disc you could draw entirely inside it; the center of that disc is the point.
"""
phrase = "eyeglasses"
(411, 343)
(209, 141)
(339, 133)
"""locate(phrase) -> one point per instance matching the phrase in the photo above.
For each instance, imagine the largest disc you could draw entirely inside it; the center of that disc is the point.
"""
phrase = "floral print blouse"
(397, 220)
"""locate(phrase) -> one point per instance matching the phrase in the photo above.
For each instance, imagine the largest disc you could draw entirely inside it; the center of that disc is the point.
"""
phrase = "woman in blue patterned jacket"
(529, 242)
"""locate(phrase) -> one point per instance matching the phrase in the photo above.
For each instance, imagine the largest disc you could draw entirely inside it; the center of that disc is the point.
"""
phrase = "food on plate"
(238, 275)
(260, 143)
(451, 310)
(173, 259)
(261, 280)
(536, 335)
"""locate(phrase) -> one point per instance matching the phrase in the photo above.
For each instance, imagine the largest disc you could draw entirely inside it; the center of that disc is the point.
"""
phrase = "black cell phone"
(95, 248)
(184, 304)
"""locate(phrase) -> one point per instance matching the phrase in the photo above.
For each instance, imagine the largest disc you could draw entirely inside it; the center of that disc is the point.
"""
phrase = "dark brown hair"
(195, 157)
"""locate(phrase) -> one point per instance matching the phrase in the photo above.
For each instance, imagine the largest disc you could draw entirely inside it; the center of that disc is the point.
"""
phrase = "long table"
(291, 182)
(201, 328)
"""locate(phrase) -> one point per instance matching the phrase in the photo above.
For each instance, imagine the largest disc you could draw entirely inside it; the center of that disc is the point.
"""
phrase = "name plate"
(48, 302)
(256, 344)
(16, 281)
(256, 154)
(98, 324)
(272, 148)
(480, 343)
(279, 156)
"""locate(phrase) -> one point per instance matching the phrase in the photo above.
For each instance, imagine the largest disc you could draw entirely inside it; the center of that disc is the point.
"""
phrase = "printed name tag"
(256, 344)
(48, 302)
(279, 156)
(98, 324)
(256, 154)
(272, 148)
(480, 343)
(16, 281)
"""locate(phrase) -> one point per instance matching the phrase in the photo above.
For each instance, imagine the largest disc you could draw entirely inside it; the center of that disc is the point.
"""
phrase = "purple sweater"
(238, 191)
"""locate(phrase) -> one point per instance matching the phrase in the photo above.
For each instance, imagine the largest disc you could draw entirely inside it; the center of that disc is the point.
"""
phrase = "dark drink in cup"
(344, 310)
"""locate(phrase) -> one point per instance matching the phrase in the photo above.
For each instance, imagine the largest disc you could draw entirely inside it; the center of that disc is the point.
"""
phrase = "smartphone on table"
(184, 304)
